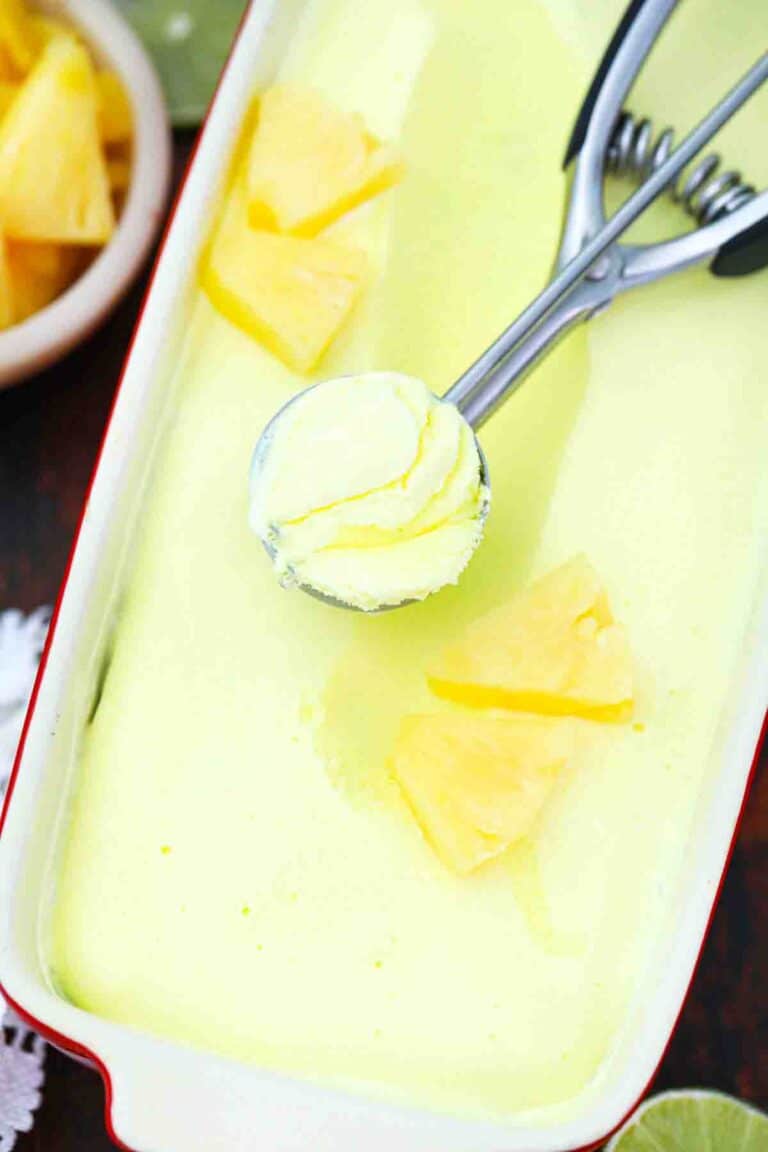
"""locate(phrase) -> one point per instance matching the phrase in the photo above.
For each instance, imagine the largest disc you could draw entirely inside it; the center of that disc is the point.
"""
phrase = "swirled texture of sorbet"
(369, 490)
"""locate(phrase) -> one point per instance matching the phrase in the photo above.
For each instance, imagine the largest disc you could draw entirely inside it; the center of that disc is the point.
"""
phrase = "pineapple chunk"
(44, 29)
(310, 163)
(291, 294)
(53, 177)
(6, 288)
(8, 93)
(476, 782)
(555, 649)
(18, 46)
(115, 114)
(119, 172)
(38, 274)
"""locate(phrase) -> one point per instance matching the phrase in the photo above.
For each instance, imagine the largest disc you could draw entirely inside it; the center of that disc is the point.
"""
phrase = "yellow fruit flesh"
(119, 172)
(554, 648)
(53, 177)
(45, 28)
(41, 259)
(477, 782)
(38, 274)
(8, 91)
(17, 40)
(291, 294)
(115, 113)
(310, 162)
(6, 289)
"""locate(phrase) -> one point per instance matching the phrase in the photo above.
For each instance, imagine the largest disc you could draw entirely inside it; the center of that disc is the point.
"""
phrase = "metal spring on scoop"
(705, 193)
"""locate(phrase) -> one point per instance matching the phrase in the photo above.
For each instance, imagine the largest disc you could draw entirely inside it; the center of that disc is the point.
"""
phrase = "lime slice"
(693, 1121)
(189, 41)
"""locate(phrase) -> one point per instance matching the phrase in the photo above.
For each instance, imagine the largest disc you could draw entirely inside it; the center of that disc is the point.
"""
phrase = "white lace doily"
(22, 1053)
(21, 1077)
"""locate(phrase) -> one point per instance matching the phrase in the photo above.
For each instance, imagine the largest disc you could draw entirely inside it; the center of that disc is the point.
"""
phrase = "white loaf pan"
(162, 1097)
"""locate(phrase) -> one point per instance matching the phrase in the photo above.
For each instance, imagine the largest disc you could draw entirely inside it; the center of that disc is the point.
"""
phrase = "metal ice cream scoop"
(592, 268)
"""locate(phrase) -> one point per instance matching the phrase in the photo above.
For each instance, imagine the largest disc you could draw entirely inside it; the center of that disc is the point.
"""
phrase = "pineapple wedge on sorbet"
(311, 162)
(53, 177)
(554, 648)
(477, 781)
(291, 294)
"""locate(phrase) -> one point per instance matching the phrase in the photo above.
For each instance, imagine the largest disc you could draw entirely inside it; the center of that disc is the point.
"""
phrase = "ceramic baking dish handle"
(162, 1098)
(168, 1102)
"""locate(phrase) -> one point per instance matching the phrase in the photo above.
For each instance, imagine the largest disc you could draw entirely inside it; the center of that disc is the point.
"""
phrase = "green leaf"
(189, 41)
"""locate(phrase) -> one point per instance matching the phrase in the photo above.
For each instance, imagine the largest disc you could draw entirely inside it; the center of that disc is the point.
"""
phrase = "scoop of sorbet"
(369, 491)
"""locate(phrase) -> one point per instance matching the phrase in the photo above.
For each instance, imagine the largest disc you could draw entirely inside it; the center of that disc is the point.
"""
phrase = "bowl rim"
(50, 333)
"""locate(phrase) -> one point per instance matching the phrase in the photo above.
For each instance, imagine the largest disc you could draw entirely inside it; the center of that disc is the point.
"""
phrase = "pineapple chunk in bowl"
(85, 166)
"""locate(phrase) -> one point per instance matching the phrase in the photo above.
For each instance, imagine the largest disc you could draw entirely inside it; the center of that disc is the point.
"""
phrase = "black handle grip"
(747, 252)
(579, 133)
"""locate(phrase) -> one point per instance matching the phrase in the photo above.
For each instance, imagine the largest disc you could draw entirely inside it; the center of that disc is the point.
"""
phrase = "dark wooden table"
(49, 434)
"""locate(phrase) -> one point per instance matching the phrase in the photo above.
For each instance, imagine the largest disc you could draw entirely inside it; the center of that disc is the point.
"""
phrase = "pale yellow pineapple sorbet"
(369, 490)
(241, 873)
